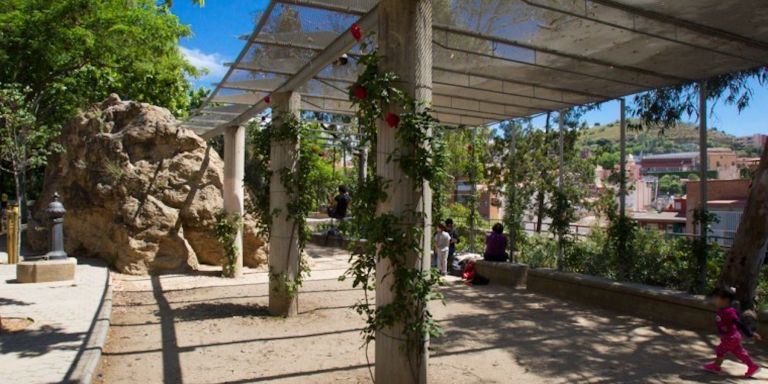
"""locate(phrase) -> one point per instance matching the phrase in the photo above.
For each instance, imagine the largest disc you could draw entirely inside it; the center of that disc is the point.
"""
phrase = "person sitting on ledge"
(496, 244)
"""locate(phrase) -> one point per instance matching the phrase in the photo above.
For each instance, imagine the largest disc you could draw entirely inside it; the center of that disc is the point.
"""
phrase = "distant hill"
(683, 137)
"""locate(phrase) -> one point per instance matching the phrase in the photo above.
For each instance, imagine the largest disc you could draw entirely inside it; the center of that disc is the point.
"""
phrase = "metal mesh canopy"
(496, 59)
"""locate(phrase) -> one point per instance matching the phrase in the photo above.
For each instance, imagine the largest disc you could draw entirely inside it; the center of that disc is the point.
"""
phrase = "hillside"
(683, 137)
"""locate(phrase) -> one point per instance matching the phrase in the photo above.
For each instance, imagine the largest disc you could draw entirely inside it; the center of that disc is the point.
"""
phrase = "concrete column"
(405, 44)
(622, 159)
(283, 235)
(234, 172)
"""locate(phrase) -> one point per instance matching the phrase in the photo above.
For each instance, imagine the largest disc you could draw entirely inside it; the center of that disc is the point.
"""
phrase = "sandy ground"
(204, 329)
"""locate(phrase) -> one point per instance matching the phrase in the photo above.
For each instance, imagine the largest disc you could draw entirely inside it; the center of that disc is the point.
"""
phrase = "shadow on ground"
(566, 340)
(38, 342)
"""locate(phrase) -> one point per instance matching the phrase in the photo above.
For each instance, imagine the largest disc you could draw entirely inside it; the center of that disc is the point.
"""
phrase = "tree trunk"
(540, 194)
(742, 267)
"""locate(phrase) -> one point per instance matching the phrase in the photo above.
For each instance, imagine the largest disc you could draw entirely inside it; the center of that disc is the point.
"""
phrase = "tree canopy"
(71, 53)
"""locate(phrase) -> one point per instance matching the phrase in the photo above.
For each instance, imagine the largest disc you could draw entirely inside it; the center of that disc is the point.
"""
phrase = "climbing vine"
(389, 236)
(300, 184)
(225, 229)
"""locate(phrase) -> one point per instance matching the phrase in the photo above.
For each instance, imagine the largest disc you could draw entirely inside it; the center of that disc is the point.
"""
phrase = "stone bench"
(654, 303)
(503, 273)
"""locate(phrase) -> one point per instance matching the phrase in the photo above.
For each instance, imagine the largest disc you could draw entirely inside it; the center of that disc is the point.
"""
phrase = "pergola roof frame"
(479, 85)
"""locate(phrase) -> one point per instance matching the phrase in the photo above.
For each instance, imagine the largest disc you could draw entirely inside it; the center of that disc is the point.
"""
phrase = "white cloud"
(210, 62)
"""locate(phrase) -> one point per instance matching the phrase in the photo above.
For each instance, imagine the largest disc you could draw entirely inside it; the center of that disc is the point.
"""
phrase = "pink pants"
(733, 345)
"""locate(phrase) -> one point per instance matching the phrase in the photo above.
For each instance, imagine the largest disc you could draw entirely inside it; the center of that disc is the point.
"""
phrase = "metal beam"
(645, 33)
(343, 43)
(542, 66)
(554, 52)
(682, 23)
(256, 29)
(325, 6)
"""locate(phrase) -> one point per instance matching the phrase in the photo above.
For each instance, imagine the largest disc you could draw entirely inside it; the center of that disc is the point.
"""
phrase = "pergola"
(476, 62)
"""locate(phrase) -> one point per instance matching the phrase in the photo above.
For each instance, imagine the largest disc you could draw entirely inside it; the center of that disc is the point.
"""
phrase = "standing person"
(730, 327)
(452, 248)
(496, 244)
(442, 245)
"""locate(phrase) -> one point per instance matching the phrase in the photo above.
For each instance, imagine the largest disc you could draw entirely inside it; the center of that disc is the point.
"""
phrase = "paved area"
(205, 329)
(62, 312)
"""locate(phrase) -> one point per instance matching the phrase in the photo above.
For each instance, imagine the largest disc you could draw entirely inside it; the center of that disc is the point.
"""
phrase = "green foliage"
(225, 229)
(655, 259)
(670, 184)
(24, 143)
(76, 52)
(396, 238)
(303, 183)
(665, 107)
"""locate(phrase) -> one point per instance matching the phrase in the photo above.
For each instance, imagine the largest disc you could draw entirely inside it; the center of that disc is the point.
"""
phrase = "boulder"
(140, 191)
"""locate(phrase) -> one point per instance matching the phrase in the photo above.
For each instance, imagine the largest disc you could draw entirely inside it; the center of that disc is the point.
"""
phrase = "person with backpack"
(452, 265)
(730, 328)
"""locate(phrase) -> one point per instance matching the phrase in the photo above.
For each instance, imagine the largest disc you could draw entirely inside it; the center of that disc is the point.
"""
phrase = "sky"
(217, 26)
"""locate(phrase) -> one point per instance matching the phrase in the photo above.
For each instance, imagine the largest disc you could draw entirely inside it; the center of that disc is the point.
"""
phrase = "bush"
(652, 258)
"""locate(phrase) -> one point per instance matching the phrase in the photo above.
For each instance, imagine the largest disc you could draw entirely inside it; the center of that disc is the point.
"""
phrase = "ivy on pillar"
(405, 47)
(234, 172)
(284, 250)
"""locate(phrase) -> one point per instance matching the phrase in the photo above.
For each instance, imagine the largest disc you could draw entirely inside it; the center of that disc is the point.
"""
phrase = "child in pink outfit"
(730, 327)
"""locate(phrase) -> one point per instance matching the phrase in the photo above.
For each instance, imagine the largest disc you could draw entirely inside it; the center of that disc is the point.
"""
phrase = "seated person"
(496, 244)
(338, 209)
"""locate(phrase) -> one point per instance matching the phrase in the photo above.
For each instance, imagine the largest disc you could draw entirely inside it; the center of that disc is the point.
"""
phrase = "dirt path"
(166, 331)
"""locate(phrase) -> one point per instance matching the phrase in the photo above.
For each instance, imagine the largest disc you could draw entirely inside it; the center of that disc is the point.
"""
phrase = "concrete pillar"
(283, 235)
(234, 172)
(405, 44)
(622, 159)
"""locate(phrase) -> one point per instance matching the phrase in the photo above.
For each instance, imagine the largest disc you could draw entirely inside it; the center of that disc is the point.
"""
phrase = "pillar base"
(43, 271)
(283, 306)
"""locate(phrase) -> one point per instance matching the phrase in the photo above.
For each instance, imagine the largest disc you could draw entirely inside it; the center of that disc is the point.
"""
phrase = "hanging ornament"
(360, 92)
(356, 32)
(469, 147)
(392, 120)
(267, 99)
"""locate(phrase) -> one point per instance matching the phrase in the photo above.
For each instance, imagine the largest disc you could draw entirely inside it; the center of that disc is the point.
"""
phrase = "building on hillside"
(489, 204)
(667, 222)
(722, 164)
(726, 200)
(750, 163)
(757, 140)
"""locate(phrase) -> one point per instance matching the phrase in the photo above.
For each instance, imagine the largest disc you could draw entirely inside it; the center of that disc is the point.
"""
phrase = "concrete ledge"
(654, 303)
(44, 271)
(87, 362)
(503, 273)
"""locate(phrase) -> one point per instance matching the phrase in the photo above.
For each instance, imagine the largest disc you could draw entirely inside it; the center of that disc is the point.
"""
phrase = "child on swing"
(730, 328)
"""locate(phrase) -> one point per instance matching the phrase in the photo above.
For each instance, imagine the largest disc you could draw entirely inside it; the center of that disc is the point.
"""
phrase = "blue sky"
(217, 26)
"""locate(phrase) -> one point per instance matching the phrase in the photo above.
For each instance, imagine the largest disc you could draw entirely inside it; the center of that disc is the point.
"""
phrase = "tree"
(67, 54)
(746, 257)
(664, 108)
(670, 184)
(23, 143)
(608, 160)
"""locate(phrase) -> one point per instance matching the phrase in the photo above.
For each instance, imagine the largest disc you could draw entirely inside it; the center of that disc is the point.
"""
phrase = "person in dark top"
(496, 244)
(452, 248)
(340, 204)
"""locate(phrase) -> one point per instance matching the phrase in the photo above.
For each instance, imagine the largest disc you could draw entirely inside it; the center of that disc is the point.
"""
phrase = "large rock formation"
(140, 191)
